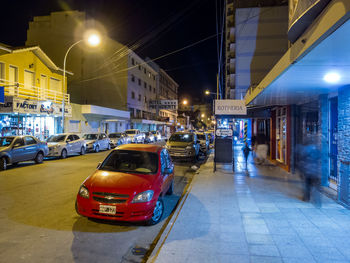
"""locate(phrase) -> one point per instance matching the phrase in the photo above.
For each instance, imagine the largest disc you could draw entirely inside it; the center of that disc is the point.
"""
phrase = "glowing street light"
(93, 39)
(331, 77)
(203, 115)
(184, 102)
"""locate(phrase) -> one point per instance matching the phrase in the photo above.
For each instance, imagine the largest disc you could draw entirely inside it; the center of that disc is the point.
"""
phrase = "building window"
(150, 88)
(55, 84)
(139, 67)
(133, 95)
(43, 82)
(132, 61)
(149, 74)
(154, 77)
(145, 85)
(13, 75)
(2, 72)
(145, 99)
(154, 90)
(140, 82)
(139, 97)
(144, 70)
(132, 78)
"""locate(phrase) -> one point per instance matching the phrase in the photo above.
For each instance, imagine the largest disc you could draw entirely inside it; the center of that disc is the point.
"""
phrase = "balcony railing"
(33, 92)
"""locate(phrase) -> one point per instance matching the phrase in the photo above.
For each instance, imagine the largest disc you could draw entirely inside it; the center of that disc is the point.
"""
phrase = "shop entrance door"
(281, 135)
(333, 142)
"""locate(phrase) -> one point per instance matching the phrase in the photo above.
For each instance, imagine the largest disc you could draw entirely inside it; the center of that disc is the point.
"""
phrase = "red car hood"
(116, 182)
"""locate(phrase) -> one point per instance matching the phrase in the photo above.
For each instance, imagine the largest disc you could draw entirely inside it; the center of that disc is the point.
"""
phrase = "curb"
(163, 237)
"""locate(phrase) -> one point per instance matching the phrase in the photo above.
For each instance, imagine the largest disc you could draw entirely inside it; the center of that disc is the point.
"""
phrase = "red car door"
(166, 164)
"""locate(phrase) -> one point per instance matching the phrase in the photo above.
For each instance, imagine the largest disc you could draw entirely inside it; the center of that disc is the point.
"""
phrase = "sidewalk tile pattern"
(255, 215)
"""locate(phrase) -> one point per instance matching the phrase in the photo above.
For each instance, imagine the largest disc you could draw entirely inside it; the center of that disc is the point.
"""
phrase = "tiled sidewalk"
(254, 217)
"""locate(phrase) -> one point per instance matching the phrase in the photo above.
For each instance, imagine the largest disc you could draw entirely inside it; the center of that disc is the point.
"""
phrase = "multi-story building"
(256, 38)
(167, 89)
(33, 92)
(308, 91)
(110, 76)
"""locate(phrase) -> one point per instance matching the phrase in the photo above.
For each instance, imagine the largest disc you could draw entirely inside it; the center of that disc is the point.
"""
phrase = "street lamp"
(184, 102)
(203, 115)
(92, 39)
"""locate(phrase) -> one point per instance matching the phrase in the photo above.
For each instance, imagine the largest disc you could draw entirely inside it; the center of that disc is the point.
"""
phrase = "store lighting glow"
(47, 104)
(331, 77)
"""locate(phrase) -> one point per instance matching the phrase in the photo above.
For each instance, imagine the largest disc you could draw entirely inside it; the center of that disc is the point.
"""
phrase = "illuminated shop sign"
(33, 107)
(230, 107)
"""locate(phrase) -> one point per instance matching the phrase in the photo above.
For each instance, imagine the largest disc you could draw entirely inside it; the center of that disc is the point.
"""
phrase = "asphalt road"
(38, 222)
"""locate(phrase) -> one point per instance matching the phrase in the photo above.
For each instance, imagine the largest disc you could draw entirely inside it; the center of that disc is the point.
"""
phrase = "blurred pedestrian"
(246, 150)
(309, 168)
(261, 148)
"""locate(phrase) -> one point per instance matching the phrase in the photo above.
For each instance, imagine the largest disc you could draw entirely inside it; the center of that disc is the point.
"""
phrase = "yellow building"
(33, 92)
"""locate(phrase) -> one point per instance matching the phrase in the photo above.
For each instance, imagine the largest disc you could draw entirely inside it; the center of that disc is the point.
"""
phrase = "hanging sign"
(230, 107)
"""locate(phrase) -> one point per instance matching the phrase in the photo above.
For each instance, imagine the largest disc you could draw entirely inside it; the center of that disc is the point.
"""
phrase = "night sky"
(160, 26)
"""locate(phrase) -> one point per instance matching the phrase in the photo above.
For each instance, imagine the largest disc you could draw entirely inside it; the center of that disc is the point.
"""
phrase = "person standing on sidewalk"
(261, 148)
(246, 150)
(309, 167)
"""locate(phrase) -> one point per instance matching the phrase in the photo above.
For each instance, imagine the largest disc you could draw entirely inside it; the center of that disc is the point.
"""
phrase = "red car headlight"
(84, 192)
(143, 197)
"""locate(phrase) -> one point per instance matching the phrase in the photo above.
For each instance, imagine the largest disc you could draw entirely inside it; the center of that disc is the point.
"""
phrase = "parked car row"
(15, 149)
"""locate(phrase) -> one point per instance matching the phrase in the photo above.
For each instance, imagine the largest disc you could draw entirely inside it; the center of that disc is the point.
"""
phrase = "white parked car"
(96, 142)
(62, 145)
(157, 135)
(135, 135)
(118, 138)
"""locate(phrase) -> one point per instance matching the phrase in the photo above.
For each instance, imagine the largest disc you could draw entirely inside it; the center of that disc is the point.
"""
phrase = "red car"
(128, 185)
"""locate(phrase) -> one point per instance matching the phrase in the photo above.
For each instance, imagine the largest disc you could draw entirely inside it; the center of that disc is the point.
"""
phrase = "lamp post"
(92, 40)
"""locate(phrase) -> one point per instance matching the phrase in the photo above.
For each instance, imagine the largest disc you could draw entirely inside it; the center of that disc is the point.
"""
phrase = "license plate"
(108, 209)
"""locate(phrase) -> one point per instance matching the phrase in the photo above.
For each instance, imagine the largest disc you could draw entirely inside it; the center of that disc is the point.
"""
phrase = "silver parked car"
(204, 143)
(119, 138)
(62, 145)
(157, 135)
(149, 137)
(15, 149)
(96, 142)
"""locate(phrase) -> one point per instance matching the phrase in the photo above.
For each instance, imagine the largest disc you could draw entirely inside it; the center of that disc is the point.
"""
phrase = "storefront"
(280, 136)
(29, 117)
(93, 119)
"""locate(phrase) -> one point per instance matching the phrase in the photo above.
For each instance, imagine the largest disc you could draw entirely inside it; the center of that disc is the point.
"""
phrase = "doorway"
(333, 142)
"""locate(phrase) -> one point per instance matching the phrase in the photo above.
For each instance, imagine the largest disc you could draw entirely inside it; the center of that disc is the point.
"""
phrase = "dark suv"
(183, 145)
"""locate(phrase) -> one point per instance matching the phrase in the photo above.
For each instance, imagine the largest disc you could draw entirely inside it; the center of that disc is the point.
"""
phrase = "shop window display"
(39, 126)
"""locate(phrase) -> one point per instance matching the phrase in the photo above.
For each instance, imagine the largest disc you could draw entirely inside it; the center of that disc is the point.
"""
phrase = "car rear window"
(114, 135)
(201, 137)
(131, 162)
(181, 138)
(56, 138)
(90, 136)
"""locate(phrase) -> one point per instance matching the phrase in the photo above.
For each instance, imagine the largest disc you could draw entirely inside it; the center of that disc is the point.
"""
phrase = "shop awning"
(105, 113)
(300, 74)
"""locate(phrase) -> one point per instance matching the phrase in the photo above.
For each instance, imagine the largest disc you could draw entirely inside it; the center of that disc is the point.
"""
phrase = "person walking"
(246, 150)
(309, 167)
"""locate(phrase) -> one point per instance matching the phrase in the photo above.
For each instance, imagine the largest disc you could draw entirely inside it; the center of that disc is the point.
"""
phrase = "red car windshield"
(131, 162)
